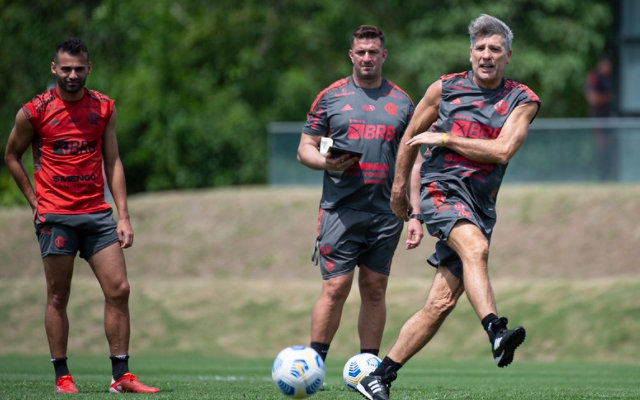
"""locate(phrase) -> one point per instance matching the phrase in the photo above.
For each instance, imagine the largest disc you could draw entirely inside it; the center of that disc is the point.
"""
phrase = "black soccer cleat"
(505, 344)
(373, 388)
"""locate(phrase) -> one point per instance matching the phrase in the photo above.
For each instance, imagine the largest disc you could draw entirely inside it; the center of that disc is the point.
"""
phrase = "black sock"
(370, 351)
(492, 325)
(387, 370)
(321, 348)
(60, 367)
(488, 321)
(119, 366)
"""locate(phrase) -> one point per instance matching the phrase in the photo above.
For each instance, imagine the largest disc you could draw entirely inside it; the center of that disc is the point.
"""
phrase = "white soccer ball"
(357, 368)
(298, 372)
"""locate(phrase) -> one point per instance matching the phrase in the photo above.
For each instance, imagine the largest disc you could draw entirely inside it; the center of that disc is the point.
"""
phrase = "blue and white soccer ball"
(298, 372)
(357, 368)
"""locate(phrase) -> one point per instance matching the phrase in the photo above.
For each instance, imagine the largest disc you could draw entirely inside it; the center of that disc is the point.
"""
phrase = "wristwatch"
(417, 216)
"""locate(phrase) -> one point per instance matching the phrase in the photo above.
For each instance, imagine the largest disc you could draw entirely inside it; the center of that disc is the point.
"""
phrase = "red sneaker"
(129, 383)
(64, 384)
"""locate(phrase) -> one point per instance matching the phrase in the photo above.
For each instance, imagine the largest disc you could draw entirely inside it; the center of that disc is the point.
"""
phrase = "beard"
(73, 87)
(369, 75)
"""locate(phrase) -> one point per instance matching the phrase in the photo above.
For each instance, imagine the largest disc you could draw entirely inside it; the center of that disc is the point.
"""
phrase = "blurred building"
(626, 48)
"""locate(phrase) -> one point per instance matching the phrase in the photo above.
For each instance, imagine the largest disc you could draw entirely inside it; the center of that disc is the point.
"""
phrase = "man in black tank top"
(472, 123)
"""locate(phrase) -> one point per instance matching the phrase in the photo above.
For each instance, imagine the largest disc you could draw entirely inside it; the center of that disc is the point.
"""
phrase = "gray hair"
(486, 25)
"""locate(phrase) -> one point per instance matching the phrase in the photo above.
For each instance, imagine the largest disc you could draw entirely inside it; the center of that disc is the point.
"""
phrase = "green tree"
(29, 34)
(197, 82)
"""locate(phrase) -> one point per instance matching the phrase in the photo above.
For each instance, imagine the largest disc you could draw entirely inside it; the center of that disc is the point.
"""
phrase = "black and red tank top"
(370, 121)
(67, 151)
(468, 110)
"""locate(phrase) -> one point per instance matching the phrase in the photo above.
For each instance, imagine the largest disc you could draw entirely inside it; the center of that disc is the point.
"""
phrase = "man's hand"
(125, 233)
(341, 163)
(400, 203)
(429, 139)
(414, 234)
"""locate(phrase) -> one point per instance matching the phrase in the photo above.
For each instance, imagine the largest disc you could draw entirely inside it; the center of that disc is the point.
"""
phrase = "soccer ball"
(357, 368)
(298, 372)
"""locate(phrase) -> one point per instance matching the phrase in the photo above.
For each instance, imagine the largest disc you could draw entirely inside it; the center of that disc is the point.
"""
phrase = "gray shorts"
(69, 233)
(348, 237)
(443, 205)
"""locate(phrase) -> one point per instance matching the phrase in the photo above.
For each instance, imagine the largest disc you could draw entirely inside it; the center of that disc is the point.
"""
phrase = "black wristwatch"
(417, 216)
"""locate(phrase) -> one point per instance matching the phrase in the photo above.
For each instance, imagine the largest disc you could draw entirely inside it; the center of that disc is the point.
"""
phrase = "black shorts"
(68, 234)
(348, 237)
(443, 205)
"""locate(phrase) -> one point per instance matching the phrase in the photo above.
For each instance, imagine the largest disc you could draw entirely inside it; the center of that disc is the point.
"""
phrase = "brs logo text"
(72, 147)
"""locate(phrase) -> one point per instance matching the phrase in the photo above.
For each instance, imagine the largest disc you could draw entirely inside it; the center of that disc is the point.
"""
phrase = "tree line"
(197, 82)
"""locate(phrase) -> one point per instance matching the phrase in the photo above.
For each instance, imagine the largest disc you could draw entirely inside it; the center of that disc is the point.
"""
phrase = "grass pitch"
(195, 377)
(216, 293)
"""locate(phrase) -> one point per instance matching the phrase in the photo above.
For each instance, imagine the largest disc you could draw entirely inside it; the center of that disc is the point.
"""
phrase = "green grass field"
(194, 377)
(216, 294)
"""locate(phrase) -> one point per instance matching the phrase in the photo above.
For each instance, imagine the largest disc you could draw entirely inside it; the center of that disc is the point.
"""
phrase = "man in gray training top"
(472, 124)
(366, 114)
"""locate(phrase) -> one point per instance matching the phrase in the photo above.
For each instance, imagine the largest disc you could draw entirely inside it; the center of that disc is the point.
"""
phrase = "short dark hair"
(368, 32)
(73, 46)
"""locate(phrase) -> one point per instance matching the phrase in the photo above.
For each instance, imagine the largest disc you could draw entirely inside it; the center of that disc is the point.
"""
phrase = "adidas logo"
(375, 387)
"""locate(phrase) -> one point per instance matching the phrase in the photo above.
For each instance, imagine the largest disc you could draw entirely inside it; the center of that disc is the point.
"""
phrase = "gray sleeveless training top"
(370, 121)
(471, 111)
